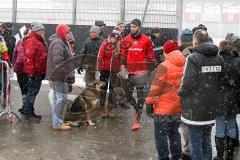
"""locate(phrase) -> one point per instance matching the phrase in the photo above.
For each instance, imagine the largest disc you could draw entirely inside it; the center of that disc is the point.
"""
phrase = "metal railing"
(154, 13)
(5, 98)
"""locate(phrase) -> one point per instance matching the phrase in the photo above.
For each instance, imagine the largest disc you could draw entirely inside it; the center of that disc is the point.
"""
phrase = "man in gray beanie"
(90, 52)
(37, 26)
(35, 61)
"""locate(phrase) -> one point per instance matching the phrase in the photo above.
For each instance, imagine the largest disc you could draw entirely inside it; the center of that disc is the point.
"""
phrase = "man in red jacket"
(35, 59)
(137, 60)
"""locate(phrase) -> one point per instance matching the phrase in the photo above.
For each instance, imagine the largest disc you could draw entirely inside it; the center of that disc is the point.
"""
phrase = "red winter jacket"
(105, 54)
(35, 55)
(136, 53)
(18, 57)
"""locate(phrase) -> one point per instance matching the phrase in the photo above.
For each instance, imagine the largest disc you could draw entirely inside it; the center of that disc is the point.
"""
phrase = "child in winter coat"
(109, 66)
(164, 103)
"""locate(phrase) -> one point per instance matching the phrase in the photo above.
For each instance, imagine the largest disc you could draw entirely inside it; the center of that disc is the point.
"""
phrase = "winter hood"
(62, 30)
(207, 49)
(176, 57)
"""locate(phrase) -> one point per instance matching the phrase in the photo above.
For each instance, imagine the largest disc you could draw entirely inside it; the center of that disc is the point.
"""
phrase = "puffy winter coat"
(35, 55)
(165, 85)
(91, 46)
(58, 53)
(18, 57)
(90, 51)
(109, 57)
(201, 84)
(136, 53)
(230, 84)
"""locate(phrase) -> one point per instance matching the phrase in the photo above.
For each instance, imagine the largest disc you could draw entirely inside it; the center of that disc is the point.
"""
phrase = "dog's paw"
(90, 123)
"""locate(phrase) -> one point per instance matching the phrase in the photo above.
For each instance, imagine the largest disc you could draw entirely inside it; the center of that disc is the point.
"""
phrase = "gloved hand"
(124, 72)
(150, 111)
(79, 70)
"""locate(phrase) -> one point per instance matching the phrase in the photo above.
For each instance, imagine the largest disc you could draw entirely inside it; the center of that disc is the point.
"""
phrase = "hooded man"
(58, 53)
(199, 94)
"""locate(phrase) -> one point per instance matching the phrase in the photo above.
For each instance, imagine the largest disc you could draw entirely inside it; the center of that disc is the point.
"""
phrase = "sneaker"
(61, 128)
(110, 114)
(32, 119)
(20, 110)
(135, 126)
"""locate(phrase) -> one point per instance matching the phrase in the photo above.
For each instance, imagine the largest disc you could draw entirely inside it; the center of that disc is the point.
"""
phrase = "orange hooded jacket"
(163, 93)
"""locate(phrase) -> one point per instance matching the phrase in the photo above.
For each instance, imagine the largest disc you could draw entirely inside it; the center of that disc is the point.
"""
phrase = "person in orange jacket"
(163, 102)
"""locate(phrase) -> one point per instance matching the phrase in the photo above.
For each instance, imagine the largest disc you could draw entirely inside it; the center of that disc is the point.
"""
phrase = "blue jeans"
(58, 103)
(200, 142)
(226, 126)
(33, 87)
(166, 128)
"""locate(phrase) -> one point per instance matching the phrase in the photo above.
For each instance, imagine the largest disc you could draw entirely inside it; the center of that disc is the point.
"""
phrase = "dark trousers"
(166, 129)
(129, 85)
(200, 142)
(33, 87)
(23, 84)
(104, 77)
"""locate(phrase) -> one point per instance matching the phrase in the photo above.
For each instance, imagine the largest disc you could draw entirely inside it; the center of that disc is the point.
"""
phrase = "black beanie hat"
(136, 22)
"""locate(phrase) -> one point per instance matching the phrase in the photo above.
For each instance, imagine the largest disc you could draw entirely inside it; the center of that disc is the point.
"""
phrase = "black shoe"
(220, 148)
(229, 148)
(32, 119)
(236, 142)
(186, 157)
(20, 110)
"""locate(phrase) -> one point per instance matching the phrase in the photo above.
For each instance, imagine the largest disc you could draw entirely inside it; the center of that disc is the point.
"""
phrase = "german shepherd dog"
(82, 107)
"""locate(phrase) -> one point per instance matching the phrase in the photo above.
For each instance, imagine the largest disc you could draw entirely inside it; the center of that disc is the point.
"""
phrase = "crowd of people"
(190, 84)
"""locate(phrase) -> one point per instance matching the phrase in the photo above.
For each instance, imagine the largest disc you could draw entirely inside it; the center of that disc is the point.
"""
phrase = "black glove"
(150, 111)
(79, 70)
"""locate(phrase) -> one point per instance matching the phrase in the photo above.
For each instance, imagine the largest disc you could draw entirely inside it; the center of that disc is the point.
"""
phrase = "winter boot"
(236, 141)
(186, 157)
(229, 148)
(135, 125)
(102, 112)
(110, 112)
(220, 148)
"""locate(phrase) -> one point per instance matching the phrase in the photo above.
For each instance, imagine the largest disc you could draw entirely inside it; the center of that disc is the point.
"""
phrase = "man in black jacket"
(90, 53)
(198, 92)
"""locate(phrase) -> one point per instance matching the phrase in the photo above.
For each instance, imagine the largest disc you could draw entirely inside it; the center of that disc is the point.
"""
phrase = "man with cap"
(35, 59)
(90, 53)
(102, 27)
(163, 102)
(137, 59)
(6, 32)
